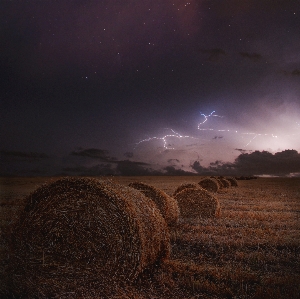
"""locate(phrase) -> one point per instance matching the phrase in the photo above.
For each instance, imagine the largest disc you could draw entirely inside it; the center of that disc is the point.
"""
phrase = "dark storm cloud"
(22, 155)
(173, 161)
(129, 168)
(95, 154)
(241, 150)
(251, 56)
(171, 170)
(99, 169)
(213, 54)
(256, 163)
(197, 167)
(128, 154)
(296, 72)
(15, 163)
(280, 163)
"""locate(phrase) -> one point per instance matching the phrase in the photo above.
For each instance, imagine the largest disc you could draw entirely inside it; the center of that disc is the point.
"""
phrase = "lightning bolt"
(206, 117)
(165, 139)
(174, 134)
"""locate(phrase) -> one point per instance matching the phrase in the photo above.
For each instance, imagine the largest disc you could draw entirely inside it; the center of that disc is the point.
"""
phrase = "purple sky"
(120, 76)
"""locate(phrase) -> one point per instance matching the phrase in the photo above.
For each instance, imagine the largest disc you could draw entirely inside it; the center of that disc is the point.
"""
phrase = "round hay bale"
(165, 203)
(209, 184)
(233, 181)
(77, 234)
(198, 202)
(185, 186)
(225, 183)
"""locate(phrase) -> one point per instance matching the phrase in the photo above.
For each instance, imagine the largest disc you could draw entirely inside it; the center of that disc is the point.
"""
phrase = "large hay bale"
(185, 186)
(77, 236)
(165, 203)
(209, 184)
(194, 202)
(233, 181)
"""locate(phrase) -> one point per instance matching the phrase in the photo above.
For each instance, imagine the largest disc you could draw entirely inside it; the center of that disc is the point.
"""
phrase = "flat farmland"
(251, 251)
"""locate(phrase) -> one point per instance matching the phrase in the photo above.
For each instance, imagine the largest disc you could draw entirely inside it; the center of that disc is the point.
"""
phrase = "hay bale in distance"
(78, 233)
(225, 183)
(221, 185)
(165, 203)
(233, 181)
(185, 186)
(209, 184)
(198, 202)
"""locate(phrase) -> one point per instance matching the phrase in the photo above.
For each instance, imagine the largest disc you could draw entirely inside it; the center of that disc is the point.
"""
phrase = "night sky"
(133, 87)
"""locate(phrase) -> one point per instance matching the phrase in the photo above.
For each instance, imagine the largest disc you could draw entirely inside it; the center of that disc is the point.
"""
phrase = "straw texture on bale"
(225, 183)
(165, 203)
(209, 184)
(233, 181)
(77, 234)
(194, 202)
(185, 186)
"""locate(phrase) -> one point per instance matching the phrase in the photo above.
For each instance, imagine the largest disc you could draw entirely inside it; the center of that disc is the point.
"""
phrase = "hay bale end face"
(77, 233)
(194, 202)
(209, 184)
(185, 186)
(165, 203)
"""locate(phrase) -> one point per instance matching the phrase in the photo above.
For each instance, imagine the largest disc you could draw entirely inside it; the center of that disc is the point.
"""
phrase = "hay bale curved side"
(209, 184)
(76, 233)
(185, 186)
(233, 181)
(165, 203)
(225, 182)
(194, 202)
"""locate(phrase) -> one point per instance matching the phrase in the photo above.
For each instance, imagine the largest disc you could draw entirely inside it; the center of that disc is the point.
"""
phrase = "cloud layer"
(95, 162)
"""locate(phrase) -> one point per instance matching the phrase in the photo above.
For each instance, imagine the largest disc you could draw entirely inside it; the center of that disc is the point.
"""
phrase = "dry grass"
(251, 251)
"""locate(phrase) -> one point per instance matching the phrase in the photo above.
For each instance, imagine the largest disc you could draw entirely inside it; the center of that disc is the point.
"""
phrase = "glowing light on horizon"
(227, 130)
(174, 134)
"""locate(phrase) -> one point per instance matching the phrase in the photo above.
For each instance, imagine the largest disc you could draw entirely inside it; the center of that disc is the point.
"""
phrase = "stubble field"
(251, 251)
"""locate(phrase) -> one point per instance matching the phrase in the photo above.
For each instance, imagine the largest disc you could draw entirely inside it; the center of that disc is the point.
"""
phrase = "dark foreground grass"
(251, 251)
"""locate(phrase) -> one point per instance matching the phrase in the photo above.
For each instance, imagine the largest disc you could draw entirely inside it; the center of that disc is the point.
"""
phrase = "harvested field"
(76, 229)
(251, 251)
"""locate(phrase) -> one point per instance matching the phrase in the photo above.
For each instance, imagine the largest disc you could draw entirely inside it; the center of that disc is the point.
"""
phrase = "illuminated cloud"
(264, 162)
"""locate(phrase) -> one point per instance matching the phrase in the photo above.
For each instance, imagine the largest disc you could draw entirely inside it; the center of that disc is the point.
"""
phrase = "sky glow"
(160, 84)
